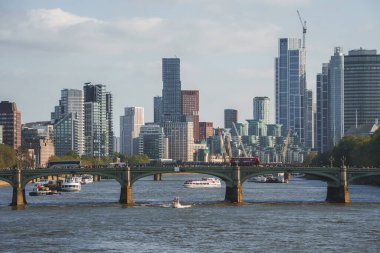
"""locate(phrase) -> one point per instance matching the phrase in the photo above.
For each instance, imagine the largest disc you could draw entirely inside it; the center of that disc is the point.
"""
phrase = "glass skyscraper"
(361, 87)
(261, 109)
(71, 102)
(322, 110)
(130, 124)
(171, 92)
(335, 98)
(290, 85)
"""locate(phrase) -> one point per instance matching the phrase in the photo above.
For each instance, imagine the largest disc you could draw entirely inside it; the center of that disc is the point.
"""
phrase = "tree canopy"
(7, 156)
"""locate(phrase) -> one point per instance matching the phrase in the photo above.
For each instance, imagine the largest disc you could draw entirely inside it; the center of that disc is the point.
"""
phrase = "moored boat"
(176, 204)
(87, 179)
(40, 189)
(203, 183)
(71, 184)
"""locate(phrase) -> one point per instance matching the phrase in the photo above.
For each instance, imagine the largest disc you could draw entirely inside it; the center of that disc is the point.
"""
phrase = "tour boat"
(71, 184)
(203, 183)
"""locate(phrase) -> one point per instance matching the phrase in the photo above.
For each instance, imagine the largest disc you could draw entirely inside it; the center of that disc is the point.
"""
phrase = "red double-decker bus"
(245, 161)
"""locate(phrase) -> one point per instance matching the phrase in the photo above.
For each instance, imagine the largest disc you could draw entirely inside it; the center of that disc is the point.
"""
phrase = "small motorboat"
(40, 189)
(176, 204)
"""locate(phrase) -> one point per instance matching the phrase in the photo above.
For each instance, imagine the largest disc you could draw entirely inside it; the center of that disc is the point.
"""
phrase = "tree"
(138, 159)
(7, 156)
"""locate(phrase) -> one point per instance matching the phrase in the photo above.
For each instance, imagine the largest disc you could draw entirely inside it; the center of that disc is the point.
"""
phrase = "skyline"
(45, 48)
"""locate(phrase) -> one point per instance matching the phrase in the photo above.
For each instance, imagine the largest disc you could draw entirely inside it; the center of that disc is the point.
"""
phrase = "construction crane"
(239, 140)
(286, 144)
(303, 24)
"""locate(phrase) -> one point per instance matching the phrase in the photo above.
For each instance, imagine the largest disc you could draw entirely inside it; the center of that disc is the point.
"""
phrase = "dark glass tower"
(171, 92)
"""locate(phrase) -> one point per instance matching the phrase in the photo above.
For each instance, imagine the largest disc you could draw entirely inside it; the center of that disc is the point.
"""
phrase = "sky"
(227, 48)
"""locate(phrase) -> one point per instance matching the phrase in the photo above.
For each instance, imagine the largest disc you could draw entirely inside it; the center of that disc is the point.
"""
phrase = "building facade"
(322, 144)
(66, 136)
(98, 118)
(261, 109)
(10, 119)
(361, 87)
(152, 141)
(130, 124)
(335, 98)
(171, 92)
(206, 129)
(71, 102)
(230, 115)
(290, 85)
(157, 102)
(190, 107)
(309, 119)
(180, 140)
(1, 134)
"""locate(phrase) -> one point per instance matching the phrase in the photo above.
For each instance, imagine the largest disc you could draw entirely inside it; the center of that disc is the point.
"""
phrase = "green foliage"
(357, 151)
(7, 156)
(138, 159)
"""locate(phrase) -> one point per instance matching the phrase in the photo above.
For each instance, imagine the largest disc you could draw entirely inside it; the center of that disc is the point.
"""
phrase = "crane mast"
(304, 29)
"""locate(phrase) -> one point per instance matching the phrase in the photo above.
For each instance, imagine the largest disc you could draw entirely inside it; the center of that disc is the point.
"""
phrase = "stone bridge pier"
(126, 188)
(18, 197)
(234, 191)
(338, 192)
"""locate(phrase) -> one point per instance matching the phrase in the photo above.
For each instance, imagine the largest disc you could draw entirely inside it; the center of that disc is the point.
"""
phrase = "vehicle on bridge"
(64, 164)
(245, 161)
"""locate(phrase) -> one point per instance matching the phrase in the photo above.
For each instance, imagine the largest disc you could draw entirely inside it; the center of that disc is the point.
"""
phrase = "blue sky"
(227, 48)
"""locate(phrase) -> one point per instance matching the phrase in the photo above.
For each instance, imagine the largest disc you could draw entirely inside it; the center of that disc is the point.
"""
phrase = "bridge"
(234, 176)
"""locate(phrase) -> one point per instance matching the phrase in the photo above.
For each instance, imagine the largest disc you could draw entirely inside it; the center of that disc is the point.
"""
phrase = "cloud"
(55, 18)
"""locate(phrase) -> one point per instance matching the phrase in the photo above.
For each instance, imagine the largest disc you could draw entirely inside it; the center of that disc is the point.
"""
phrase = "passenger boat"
(71, 184)
(87, 179)
(40, 189)
(203, 183)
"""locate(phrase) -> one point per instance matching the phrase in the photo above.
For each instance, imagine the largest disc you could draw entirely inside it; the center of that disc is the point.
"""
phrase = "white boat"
(71, 184)
(87, 179)
(258, 179)
(176, 204)
(203, 183)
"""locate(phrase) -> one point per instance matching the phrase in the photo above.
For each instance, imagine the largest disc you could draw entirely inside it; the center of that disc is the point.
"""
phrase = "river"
(289, 217)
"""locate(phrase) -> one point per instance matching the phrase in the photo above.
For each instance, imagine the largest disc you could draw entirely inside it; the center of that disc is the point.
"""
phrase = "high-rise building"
(10, 119)
(361, 87)
(116, 144)
(171, 92)
(335, 98)
(71, 102)
(261, 109)
(206, 129)
(1, 134)
(309, 119)
(66, 136)
(152, 141)
(181, 140)
(157, 102)
(190, 107)
(290, 87)
(98, 120)
(230, 115)
(257, 127)
(322, 110)
(130, 125)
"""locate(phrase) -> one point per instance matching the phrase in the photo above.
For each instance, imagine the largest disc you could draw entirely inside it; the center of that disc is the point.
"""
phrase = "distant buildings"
(261, 109)
(230, 115)
(10, 120)
(68, 120)
(321, 131)
(190, 107)
(130, 125)
(181, 140)
(116, 144)
(361, 87)
(171, 92)
(152, 142)
(39, 137)
(206, 129)
(1, 134)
